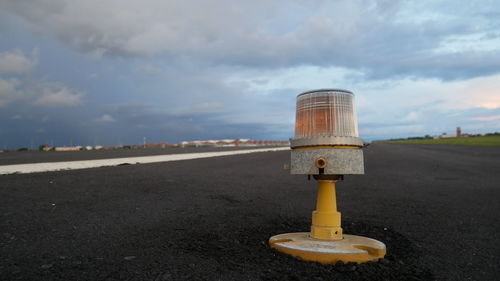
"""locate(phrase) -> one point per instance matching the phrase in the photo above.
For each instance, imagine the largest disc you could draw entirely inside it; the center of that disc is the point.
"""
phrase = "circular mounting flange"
(351, 248)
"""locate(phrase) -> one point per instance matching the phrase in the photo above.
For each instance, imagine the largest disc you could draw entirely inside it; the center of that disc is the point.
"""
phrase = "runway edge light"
(327, 146)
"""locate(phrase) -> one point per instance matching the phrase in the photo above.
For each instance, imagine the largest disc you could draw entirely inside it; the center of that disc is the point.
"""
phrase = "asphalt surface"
(35, 156)
(435, 207)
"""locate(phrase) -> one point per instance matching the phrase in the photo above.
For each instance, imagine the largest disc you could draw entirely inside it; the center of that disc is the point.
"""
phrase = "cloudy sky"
(113, 72)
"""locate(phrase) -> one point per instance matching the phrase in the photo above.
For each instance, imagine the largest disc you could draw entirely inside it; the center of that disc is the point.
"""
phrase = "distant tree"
(23, 149)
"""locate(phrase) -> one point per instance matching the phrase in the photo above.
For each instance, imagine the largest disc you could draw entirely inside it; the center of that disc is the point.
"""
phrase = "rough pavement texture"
(435, 207)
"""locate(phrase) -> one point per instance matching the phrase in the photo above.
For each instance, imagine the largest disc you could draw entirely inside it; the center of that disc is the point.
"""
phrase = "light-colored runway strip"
(85, 164)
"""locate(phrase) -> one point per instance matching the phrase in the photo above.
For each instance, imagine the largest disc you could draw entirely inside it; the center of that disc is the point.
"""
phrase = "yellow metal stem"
(326, 243)
(326, 219)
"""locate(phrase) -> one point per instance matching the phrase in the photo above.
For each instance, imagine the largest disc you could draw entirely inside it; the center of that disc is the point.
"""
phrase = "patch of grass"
(480, 141)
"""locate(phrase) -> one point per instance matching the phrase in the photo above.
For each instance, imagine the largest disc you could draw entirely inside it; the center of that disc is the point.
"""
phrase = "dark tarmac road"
(22, 157)
(435, 207)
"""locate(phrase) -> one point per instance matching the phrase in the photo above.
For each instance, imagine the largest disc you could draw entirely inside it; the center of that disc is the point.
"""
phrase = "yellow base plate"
(351, 248)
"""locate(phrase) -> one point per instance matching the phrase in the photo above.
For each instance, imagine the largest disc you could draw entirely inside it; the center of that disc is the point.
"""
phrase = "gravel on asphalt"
(435, 207)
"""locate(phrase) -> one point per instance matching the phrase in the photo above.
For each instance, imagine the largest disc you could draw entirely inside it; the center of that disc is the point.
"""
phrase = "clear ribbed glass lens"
(326, 113)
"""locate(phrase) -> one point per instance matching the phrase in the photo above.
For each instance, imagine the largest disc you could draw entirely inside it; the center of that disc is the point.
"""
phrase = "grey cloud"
(175, 126)
(19, 86)
(179, 57)
(383, 38)
(379, 125)
(41, 125)
(9, 91)
(106, 118)
(15, 62)
(53, 94)
(434, 122)
(473, 113)
(38, 93)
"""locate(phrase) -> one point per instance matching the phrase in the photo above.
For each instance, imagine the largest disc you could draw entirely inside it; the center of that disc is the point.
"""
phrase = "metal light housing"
(326, 130)
(326, 145)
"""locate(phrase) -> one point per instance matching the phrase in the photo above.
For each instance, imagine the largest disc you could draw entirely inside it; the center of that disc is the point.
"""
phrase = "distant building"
(447, 136)
(459, 132)
(68, 148)
(233, 143)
